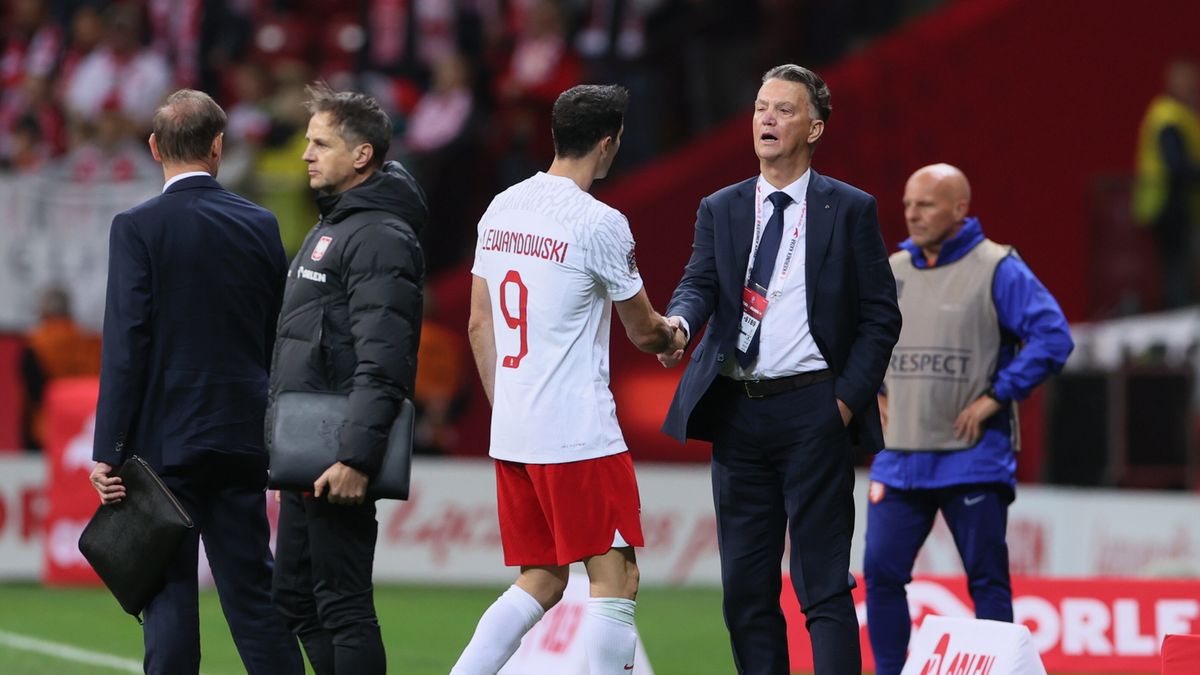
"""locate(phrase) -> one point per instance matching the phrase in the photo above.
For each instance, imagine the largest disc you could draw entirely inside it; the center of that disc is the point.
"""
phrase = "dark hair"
(818, 92)
(357, 117)
(185, 126)
(584, 115)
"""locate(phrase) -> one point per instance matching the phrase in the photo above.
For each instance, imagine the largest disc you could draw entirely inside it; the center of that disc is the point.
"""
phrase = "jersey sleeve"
(610, 259)
(477, 267)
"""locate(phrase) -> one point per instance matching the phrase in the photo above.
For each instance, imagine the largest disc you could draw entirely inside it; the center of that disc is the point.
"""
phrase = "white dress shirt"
(786, 345)
(186, 174)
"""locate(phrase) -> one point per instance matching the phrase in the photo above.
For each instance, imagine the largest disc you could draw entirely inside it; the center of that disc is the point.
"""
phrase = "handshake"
(673, 353)
(651, 332)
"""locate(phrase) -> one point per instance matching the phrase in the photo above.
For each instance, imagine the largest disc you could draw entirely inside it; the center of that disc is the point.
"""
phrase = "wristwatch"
(991, 393)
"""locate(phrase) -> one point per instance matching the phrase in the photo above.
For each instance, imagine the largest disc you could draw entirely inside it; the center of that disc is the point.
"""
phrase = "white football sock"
(499, 633)
(610, 635)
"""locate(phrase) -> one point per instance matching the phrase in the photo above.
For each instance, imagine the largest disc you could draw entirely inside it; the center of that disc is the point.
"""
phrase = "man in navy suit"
(195, 281)
(790, 272)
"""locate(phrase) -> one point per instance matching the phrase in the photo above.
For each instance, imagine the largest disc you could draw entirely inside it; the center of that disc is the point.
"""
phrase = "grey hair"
(819, 105)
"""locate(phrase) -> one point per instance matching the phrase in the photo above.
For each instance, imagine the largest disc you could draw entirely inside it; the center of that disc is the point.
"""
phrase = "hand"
(845, 411)
(671, 356)
(346, 484)
(883, 411)
(670, 359)
(110, 488)
(678, 340)
(969, 425)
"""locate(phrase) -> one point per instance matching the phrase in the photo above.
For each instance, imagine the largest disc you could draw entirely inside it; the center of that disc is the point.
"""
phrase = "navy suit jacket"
(852, 309)
(195, 281)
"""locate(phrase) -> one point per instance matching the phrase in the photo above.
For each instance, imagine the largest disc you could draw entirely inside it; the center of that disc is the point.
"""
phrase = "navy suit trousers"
(780, 464)
(228, 508)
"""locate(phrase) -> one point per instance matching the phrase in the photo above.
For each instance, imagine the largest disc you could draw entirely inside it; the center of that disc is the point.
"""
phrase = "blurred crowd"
(469, 82)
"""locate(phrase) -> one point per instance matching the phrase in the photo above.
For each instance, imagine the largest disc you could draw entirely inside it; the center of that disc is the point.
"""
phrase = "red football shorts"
(557, 514)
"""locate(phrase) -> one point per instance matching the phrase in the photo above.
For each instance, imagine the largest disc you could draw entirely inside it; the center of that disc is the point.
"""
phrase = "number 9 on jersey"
(518, 322)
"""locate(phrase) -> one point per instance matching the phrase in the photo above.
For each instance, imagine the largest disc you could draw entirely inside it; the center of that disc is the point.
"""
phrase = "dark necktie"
(764, 264)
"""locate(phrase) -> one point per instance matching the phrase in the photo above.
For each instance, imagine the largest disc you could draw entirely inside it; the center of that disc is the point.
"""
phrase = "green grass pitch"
(424, 629)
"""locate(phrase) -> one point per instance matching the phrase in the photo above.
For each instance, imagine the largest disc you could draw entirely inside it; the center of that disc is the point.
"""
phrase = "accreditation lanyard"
(754, 297)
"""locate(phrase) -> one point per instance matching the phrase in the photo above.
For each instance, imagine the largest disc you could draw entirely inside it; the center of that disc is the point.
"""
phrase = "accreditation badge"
(754, 306)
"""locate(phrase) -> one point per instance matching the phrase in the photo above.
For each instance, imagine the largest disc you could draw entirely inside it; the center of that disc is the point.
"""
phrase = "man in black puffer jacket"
(350, 323)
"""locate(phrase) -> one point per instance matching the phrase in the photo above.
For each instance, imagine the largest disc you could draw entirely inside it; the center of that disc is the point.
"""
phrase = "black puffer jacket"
(351, 316)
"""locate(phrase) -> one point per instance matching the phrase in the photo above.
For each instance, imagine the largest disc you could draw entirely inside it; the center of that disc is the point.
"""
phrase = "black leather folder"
(304, 443)
(130, 543)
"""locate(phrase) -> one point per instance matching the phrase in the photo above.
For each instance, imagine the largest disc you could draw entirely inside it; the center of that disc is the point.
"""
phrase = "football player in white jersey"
(550, 262)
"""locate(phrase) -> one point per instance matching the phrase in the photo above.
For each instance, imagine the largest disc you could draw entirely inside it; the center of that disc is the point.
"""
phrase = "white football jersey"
(554, 258)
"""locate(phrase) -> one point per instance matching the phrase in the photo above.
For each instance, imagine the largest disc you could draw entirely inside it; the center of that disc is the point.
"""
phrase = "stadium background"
(1039, 102)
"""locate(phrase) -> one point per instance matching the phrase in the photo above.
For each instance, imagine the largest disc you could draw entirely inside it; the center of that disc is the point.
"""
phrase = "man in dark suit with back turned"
(195, 281)
(790, 273)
